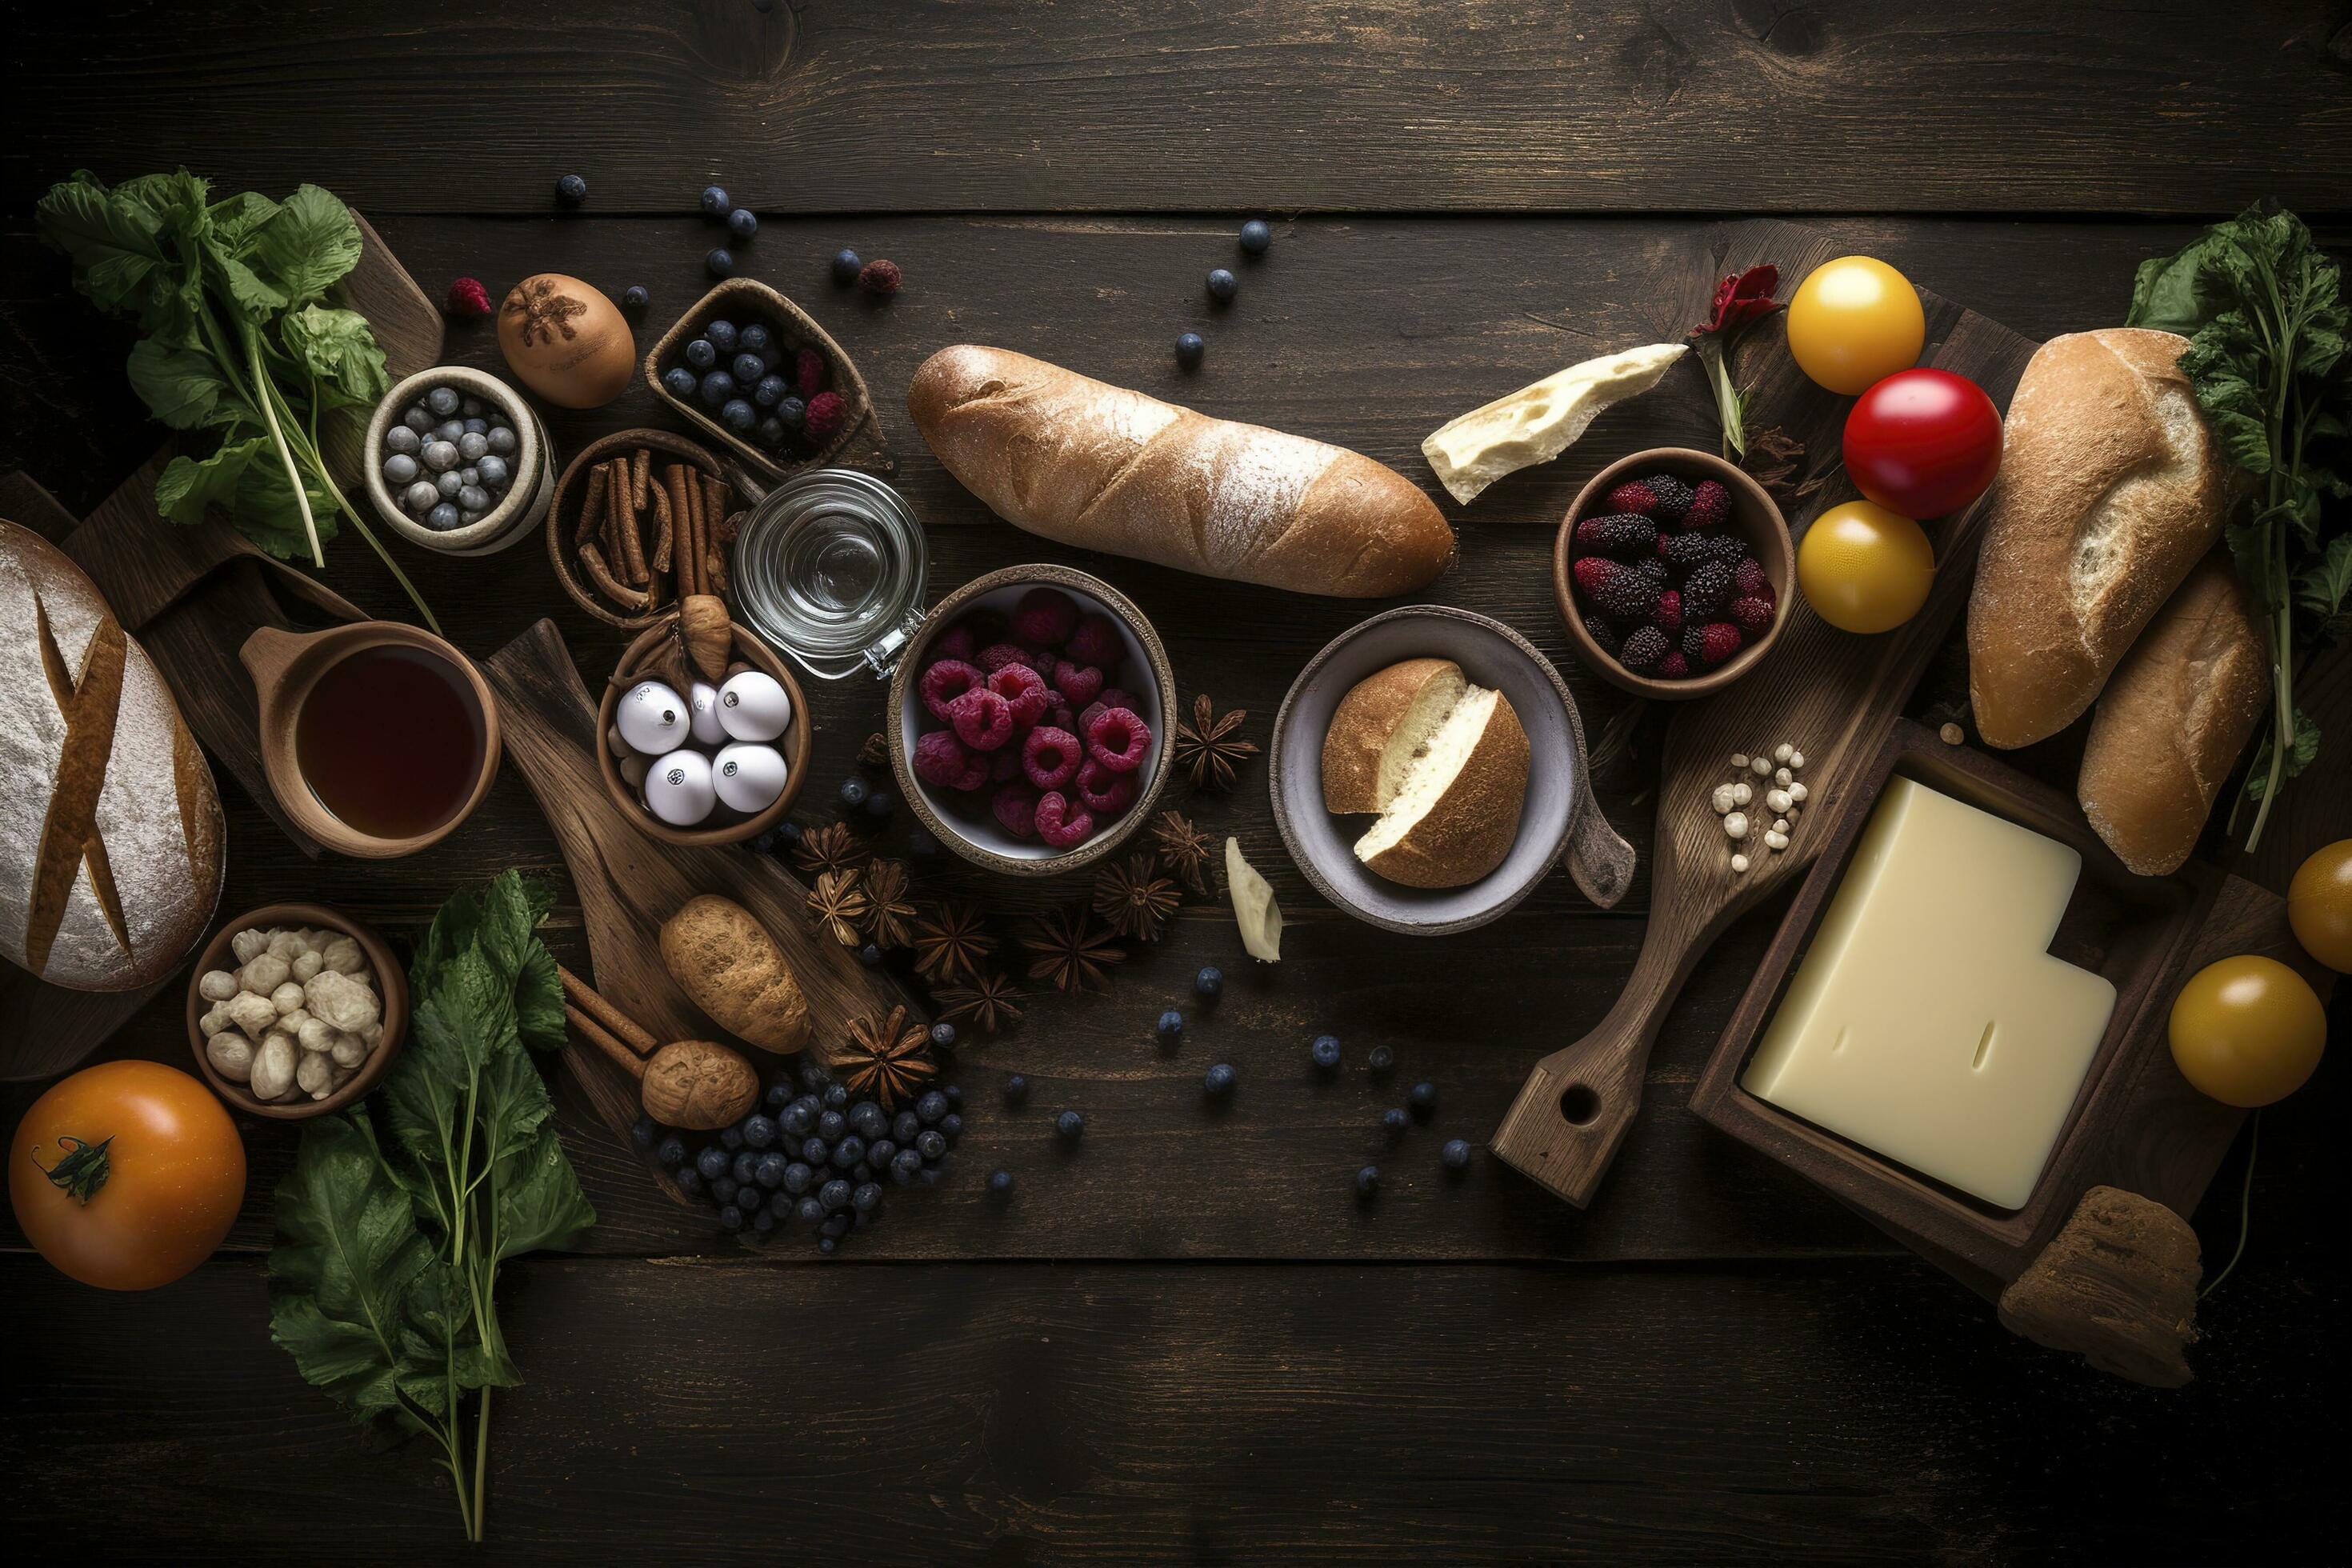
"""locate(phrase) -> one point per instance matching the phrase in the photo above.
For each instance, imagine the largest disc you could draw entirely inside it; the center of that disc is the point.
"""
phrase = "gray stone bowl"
(526, 500)
(1560, 814)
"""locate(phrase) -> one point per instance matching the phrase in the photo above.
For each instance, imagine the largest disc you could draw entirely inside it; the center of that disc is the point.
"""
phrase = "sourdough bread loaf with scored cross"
(110, 833)
(1102, 467)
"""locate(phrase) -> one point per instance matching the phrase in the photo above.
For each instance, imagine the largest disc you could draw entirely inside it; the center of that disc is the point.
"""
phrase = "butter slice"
(1929, 1022)
(1537, 423)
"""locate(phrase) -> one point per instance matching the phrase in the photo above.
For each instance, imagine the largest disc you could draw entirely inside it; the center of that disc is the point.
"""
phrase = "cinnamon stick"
(587, 1028)
(682, 511)
(638, 477)
(633, 544)
(663, 527)
(577, 992)
(611, 588)
(592, 508)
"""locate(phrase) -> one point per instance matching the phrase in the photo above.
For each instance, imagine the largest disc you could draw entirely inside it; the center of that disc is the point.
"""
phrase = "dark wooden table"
(1187, 1340)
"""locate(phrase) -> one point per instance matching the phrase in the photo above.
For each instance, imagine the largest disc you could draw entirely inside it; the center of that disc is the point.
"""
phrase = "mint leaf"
(309, 245)
(2304, 753)
(337, 348)
(2164, 293)
(187, 486)
(184, 387)
(540, 1204)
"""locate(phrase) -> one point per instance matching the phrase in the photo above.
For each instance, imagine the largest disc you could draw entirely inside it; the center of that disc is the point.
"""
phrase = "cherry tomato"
(1854, 321)
(1924, 443)
(127, 1175)
(2319, 905)
(2247, 1030)
(1864, 568)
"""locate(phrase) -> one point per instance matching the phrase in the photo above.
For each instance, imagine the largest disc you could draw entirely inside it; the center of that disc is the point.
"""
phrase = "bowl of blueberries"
(456, 461)
(753, 371)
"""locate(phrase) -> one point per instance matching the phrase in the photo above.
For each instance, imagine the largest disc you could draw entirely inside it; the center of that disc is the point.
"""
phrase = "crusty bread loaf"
(111, 835)
(1455, 813)
(2110, 490)
(2173, 719)
(1102, 467)
(1380, 727)
(727, 965)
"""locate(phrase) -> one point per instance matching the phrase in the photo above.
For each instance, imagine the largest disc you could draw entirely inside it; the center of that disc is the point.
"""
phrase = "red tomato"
(1923, 443)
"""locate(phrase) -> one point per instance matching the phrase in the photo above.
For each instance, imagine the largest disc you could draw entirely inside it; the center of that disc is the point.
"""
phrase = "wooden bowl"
(285, 666)
(977, 836)
(857, 445)
(391, 986)
(526, 500)
(1753, 516)
(571, 492)
(794, 742)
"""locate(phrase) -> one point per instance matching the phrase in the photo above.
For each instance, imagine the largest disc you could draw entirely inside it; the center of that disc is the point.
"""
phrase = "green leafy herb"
(392, 1227)
(2263, 309)
(229, 293)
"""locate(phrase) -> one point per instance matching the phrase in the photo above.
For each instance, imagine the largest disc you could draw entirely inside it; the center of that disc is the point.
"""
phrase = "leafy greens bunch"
(2263, 309)
(391, 1227)
(238, 343)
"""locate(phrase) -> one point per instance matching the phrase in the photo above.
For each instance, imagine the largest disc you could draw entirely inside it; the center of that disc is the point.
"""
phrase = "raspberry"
(1673, 497)
(1112, 697)
(1633, 496)
(1096, 642)
(1118, 740)
(1752, 615)
(947, 680)
(1602, 633)
(1064, 719)
(1025, 688)
(1673, 666)
(982, 719)
(1004, 764)
(1706, 591)
(1060, 825)
(1050, 757)
(1618, 592)
(1710, 506)
(1670, 613)
(955, 643)
(997, 655)
(1044, 616)
(1107, 793)
(1078, 683)
(1644, 648)
(1749, 579)
(1709, 645)
(467, 297)
(826, 415)
(808, 373)
(939, 760)
(1015, 808)
(1617, 533)
(880, 278)
(1689, 550)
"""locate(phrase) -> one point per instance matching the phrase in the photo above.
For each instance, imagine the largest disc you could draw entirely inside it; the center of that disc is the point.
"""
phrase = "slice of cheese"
(1537, 423)
(1928, 1021)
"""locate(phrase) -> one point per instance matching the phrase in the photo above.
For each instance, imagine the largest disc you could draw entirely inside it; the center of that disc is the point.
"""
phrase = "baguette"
(2172, 721)
(110, 832)
(2110, 491)
(1101, 468)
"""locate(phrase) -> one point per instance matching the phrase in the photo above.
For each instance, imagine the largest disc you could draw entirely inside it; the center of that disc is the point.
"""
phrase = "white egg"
(653, 718)
(702, 697)
(748, 775)
(752, 707)
(679, 789)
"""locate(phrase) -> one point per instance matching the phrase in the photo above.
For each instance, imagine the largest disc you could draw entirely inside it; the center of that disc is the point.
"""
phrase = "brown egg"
(566, 342)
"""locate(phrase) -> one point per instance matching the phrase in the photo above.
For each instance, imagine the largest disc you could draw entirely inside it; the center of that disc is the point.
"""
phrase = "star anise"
(988, 1003)
(1071, 952)
(876, 752)
(837, 904)
(885, 1057)
(832, 848)
(1134, 899)
(950, 943)
(889, 913)
(1209, 747)
(1184, 849)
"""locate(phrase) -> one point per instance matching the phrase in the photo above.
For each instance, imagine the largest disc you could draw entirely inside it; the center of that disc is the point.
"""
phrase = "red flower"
(1741, 299)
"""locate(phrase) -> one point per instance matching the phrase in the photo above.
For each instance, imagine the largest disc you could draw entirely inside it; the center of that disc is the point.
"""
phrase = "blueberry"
(418, 419)
(866, 1197)
(1422, 1098)
(768, 432)
(797, 1176)
(769, 391)
(931, 1143)
(1394, 1121)
(854, 792)
(880, 803)
(1219, 1082)
(1455, 1155)
(571, 190)
(1000, 1182)
(1255, 236)
(812, 1078)
(929, 1176)
(755, 338)
(1381, 1061)
(443, 517)
(834, 1194)
(746, 1166)
(831, 1126)
(943, 1038)
(748, 369)
(835, 1097)
(1326, 1052)
(1209, 984)
(731, 1217)
(472, 444)
(446, 485)
(731, 1139)
(400, 468)
(742, 223)
(792, 412)
(714, 202)
(721, 262)
(869, 1121)
(1016, 1090)
(953, 1091)
(689, 1180)
(701, 353)
(1170, 1026)
(870, 956)
(502, 441)
(442, 401)
(845, 268)
(1221, 284)
(725, 1190)
(758, 1132)
(420, 496)
(952, 1125)
(494, 471)
(1069, 1124)
(797, 1120)
(905, 1165)
(809, 1211)
(905, 1125)
(641, 1132)
(738, 414)
(718, 387)
(401, 439)
(815, 1151)
(473, 498)
(670, 1152)
(930, 1108)
(1367, 1181)
(921, 843)
(1191, 350)
(848, 1151)
(835, 1226)
(880, 1152)
(722, 335)
(768, 1170)
(680, 381)
(635, 297)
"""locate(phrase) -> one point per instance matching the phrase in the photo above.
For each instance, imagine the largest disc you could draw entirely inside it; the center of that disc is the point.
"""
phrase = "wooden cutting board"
(629, 884)
(1831, 694)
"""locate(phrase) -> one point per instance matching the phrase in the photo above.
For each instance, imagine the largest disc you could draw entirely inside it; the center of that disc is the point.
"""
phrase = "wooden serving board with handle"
(1831, 694)
(629, 883)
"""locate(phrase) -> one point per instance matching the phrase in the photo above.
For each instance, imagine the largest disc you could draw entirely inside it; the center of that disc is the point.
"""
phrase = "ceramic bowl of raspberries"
(1674, 571)
(1030, 720)
(752, 370)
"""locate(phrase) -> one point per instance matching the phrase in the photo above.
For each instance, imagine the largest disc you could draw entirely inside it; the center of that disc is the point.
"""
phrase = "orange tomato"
(2319, 905)
(1864, 568)
(127, 1175)
(2247, 1030)
(1854, 323)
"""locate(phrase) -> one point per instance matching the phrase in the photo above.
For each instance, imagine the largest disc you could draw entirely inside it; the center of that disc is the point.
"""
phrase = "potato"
(730, 966)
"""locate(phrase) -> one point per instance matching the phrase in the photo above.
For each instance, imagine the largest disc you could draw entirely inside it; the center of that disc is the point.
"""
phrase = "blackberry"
(1602, 633)
(1617, 533)
(1689, 550)
(1673, 497)
(1706, 591)
(1642, 648)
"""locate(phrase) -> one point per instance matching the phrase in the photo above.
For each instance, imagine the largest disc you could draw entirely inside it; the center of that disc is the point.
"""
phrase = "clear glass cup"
(829, 569)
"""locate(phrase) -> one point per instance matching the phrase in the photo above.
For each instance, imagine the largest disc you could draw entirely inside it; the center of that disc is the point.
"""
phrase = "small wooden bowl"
(748, 650)
(391, 986)
(1753, 516)
(983, 843)
(857, 445)
(526, 500)
(571, 490)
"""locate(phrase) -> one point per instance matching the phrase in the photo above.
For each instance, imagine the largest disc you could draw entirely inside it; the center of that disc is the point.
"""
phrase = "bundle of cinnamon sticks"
(648, 537)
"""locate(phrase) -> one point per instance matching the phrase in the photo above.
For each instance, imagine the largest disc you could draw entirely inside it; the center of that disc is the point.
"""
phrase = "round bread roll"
(1455, 813)
(1380, 727)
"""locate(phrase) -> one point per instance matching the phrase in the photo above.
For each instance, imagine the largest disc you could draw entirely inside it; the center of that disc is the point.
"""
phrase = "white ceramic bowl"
(526, 501)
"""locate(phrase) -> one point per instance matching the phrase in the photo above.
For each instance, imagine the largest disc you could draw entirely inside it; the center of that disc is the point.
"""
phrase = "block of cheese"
(1537, 423)
(1929, 1022)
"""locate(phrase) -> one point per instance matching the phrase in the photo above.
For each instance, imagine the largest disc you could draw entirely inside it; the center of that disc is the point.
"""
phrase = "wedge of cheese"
(1537, 423)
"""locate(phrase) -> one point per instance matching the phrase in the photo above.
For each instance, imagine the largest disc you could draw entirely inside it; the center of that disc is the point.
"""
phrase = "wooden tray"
(1828, 692)
(2137, 1123)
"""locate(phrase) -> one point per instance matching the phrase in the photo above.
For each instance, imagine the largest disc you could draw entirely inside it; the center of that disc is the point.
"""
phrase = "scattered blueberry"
(1367, 1181)
(906, 1125)
(1422, 1098)
(845, 268)
(1381, 1061)
(797, 1120)
(689, 1180)
(791, 412)
(701, 353)
(1000, 1182)
(769, 391)
(636, 297)
(930, 1108)
(869, 1121)
(754, 339)
(641, 1132)
(764, 1221)
(922, 844)
(1221, 284)
(1210, 984)
(749, 368)
(943, 1038)
(721, 262)
(1326, 1053)
(870, 956)
(848, 1153)
(1455, 1155)
(831, 1126)
(571, 190)
(905, 1165)
(1016, 1090)
(1190, 351)
(1069, 1124)
(1395, 1121)
(738, 414)
(953, 1091)
(725, 1189)
(1219, 1082)
(714, 202)
(712, 1162)
(815, 1151)
(879, 805)
(854, 791)
(742, 223)
(865, 1198)
(671, 1151)
(952, 1124)
(834, 1194)
(809, 1211)
(1170, 1026)
(746, 1167)
(880, 1152)
(1255, 236)
(718, 387)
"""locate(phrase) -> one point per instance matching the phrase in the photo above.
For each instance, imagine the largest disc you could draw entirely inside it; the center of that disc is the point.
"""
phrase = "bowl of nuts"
(457, 462)
(295, 1010)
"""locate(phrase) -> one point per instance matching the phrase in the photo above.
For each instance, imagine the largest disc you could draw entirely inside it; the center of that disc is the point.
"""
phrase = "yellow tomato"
(2247, 1030)
(1854, 323)
(2319, 905)
(1864, 568)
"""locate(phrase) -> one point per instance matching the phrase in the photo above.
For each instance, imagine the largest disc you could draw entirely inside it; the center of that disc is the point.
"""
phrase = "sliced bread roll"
(1380, 727)
(1457, 810)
